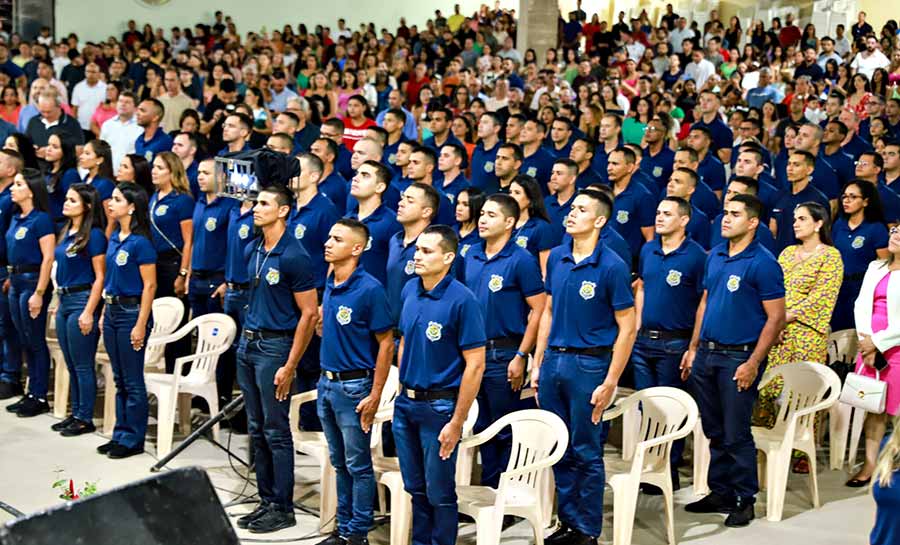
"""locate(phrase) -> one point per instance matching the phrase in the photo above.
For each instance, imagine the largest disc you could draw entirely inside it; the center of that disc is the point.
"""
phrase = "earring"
(817, 229)
(131, 212)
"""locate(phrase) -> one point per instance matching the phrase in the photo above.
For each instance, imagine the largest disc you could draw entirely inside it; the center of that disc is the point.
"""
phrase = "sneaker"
(106, 447)
(78, 427)
(15, 406)
(712, 503)
(121, 451)
(333, 539)
(63, 424)
(10, 390)
(32, 406)
(742, 514)
(244, 521)
(561, 536)
(272, 521)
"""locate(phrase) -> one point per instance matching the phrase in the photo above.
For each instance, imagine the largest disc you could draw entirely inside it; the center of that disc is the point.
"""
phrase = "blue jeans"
(11, 351)
(308, 372)
(32, 332)
(725, 414)
(566, 383)
(235, 305)
(199, 292)
(79, 351)
(348, 448)
(495, 399)
(128, 370)
(268, 419)
(657, 362)
(167, 269)
(429, 480)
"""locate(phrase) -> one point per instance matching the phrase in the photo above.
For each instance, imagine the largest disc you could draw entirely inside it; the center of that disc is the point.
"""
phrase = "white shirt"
(59, 63)
(700, 72)
(87, 98)
(842, 46)
(868, 65)
(121, 136)
(676, 37)
(635, 51)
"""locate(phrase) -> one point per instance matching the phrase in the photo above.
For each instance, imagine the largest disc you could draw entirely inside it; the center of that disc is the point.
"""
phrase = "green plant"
(67, 489)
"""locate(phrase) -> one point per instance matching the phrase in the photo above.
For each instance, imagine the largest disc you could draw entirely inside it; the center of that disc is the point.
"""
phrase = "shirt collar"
(592, 259)
(657, 247)
(438, 291)
(748, 252)
(347, 284)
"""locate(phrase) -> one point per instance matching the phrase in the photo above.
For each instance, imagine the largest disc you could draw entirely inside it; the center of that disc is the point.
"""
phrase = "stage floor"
(30, 455)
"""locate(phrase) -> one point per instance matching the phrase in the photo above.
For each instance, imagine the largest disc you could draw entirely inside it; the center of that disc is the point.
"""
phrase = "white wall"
(95, 20)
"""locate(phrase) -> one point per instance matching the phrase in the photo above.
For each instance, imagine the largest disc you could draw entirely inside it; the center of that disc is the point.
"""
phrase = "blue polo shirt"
(501, 285)
(612, 239)
(352, 314)
(148, 149)
(588, 177)
(431, 143)
(890, 202)
(382, 224)
(389, 156)
(824, 178)
(166, 215)
(559, 153)
(711, 172)
(211, 233)
(736, 288)
(75, 268)
(6, 214)
(858, 245)
(453, 188)
(342, 163)
(698, 227)
(783, 213)
(23, 238)
(703, 199)
(337, 189)
(722, 137)
(536, 235)
(275, 277)
(673, 285)
(466, 243)
(659, 166)
(842, 164)
(856, 147)
(586, 296)
(224, 151)
(633, 208)
(240, 234)
(483, 168)
(437, 327)
(310, 225)
(123, 264)
(446, 210)
(191, 173)
(539, 165)
(103, 186)
(558, 213)
(763, 234)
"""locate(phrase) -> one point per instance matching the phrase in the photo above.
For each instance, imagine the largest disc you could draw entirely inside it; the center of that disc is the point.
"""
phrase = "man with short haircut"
(764, 90)
(393, 122)
(562, 194)
(633, 211)
(52, 118)
(610, 140)
(280, 92)
(561, 138)
(741, 185)
(721, 136)
(367, 189)
(185, 146)
(306, 132)
(174, 100)
(828, 53)
(832, 136)
(450, 163)
(87, 95)
(704, 198)
(440, 129)
(582, 153)
(891, 155)
(286, 123)
(280, 142)
(657, 155)
(154, 139)
(823, 176)
(395, 102)
(422, 164)
(484, 155)
(870, 59)
(514, 125)
(121, 131)
(236, 134)
(682, 185)
(536, 160)
(799, 171)
(869, 168)
(507, 164)
(853, 144)
(699, 69)
(333, 129)
(331, 184)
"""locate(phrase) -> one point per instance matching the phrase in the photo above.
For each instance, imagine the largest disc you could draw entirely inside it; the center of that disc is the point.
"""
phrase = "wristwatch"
(183, 273)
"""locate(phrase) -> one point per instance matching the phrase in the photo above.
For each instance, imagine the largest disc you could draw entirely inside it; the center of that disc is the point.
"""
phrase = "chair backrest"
(388, 394)
(167, 315)
(539, 440)
(806, 385)
(842, 346)
(665, 413)
(215, 333)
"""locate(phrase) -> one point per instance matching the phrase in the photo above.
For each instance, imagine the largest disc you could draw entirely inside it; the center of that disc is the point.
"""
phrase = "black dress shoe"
(106, 447)
(712, 503)
(742, 514)
(561, 536)
(78, 427)
(333, 539)
(121, 451)
(32, 406)
(357, 540)
(63, 424)
(581, 539)
(244, 521)
(858, 483)
(10, 390)
(272, 521)
(14, 407)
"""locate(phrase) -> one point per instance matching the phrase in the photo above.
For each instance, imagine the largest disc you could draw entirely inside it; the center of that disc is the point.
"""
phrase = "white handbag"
(866, 393)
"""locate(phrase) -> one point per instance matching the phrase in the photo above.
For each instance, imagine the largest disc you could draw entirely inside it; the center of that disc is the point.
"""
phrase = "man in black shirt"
(214, 116)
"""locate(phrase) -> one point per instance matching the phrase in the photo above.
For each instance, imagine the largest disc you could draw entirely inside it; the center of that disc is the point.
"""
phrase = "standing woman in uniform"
(80, 270)
(60, 158)
(171, 213)
(135, 168)
(468, 210)
(129, 286)
(29, 250)
(96, 158)
(533, 231)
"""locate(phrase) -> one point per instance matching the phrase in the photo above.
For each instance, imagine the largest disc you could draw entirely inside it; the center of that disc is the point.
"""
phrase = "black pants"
(167, 267)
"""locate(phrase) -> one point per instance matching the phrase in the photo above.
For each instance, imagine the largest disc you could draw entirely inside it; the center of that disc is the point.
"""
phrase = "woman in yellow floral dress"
(813, 271)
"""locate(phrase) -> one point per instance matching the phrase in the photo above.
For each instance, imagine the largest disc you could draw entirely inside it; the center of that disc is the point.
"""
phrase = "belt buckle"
(329, 375)
(108, 299)
(653, 335)
(563, 349)
(10, 268)
(710, 345)
(410, 393)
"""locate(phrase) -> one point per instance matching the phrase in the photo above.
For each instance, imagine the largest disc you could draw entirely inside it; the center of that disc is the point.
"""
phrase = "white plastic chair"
(215, 333)
(667, 414)
(539, 440)
(167, 314)
(804, 394)
(843, 420)
(701, 460)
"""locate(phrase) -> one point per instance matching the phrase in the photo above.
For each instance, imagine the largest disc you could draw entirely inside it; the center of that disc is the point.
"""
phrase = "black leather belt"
(429, 395)
(503, 343)
(168, 255)
(719, 347)
(590, 351)
(22, 269)
(121, 300)
(265, 334)
(662, 335)
(341, 376)
(238, 286)
(397, 333)
(74, 289)
(206, 275)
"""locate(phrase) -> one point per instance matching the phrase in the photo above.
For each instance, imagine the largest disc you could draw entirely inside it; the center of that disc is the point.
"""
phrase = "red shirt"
(413, 86)
(355, 133)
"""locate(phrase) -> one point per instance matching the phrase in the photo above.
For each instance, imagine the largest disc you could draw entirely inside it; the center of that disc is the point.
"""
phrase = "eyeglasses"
(894, 230)
(849, 197)
(863, 164)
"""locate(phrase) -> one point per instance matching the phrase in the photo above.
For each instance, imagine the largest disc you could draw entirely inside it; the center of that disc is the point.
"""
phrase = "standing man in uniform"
(485, 152)
(441, 359)
(740, 316)
(633, 205)
(584, 342)
(367, 189)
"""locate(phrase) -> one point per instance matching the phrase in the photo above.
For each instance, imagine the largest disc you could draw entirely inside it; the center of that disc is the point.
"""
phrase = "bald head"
(367, 149)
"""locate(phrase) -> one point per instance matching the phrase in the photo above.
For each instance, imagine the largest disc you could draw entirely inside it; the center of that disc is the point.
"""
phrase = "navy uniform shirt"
(123, 264)
(310, 226)
(446, 210)
(890, 202)
(698, 228)
(148, 149)
(437, 327)
(103, 186)
(166, 215)
(75, 268)
(432, 144)
(722, 137)
(352, 314)
(336, 188)
(275, 277)
(208, 252)
(389, 156)
(558, 213)
(673, 285)
(483, 176)
(856, 147)
(633, 208)
(382, 224)
(712, 172)
(612, 239)
(191, 173)
(824, 178)
(6, 214)
(23, 238)
(586, 296)
(224, 151)
(659, 166)
(736, 288)
(842, 164)
(588, 177)
(501, 284)
(559, 153)
(536, 235)
(858, 246)
(401, 268)
(467, 242)
(703, 199)
(240, 234)
(538, 165)
(763, 234)
(783, 213)
(342, 163)
(453, 189)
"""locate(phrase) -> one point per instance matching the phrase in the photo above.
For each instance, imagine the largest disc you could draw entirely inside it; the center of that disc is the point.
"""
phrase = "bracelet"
(521, 354)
